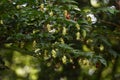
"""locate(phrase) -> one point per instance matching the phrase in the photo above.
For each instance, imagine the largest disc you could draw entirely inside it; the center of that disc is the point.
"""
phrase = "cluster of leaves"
(60, 31)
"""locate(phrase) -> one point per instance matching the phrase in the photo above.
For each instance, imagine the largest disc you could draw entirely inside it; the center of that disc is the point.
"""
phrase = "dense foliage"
(59, 39)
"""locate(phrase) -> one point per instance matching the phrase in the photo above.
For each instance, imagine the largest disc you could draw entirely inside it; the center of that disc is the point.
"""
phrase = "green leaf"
(112, 52)
(96, 58)
(103, 61)
(84, 33)
(105, 41)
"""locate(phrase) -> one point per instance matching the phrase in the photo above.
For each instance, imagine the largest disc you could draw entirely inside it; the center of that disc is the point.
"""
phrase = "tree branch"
(110, 23)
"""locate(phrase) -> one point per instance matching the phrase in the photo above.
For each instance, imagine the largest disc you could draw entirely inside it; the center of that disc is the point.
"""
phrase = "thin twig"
(110, 23)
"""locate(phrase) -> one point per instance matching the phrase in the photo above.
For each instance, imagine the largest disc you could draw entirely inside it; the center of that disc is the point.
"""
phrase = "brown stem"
(110, 23)
(114, 68)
